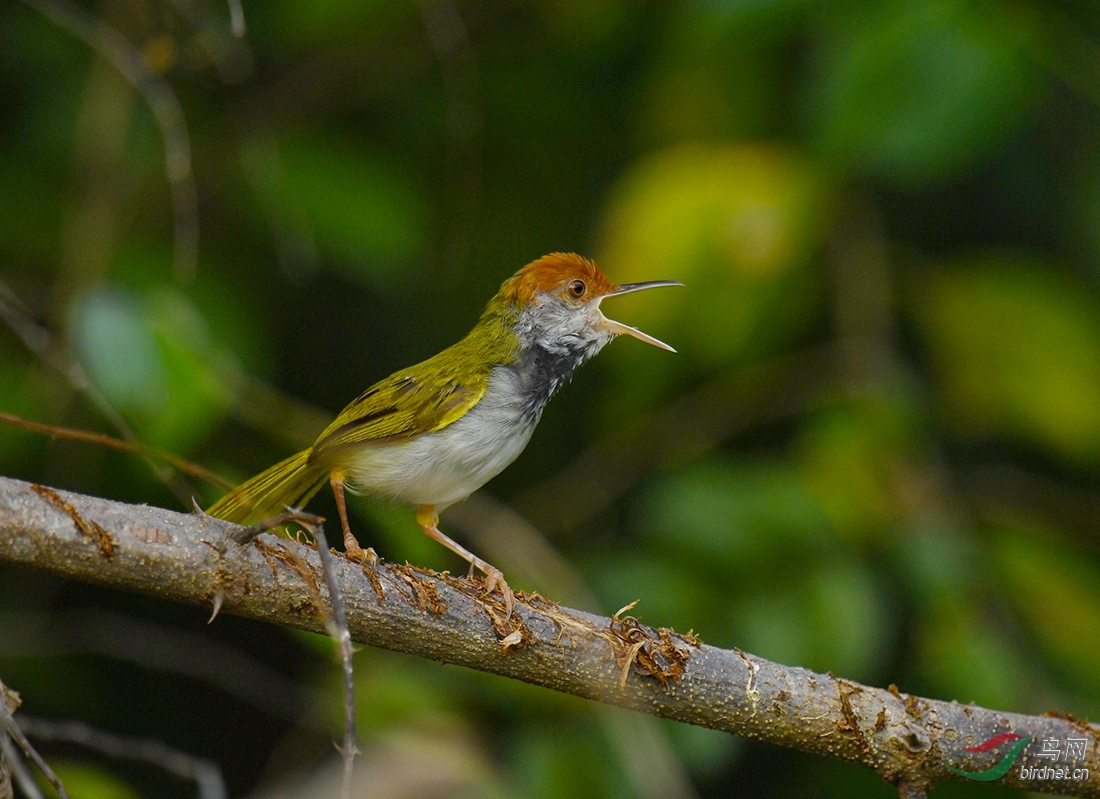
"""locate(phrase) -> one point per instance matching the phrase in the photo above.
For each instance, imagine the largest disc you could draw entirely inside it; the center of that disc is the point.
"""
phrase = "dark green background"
(877, 452)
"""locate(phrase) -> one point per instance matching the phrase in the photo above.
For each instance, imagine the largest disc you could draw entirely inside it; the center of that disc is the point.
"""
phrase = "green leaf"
(917, 91)
(368, 215)
(152, 358)
(964, 655)
(826, 617)
(119, 351)
(1057, 593)
(734, 516)
(855, 459)
(561, 761)
(737, 224)
(90, 782)
(1016, 350)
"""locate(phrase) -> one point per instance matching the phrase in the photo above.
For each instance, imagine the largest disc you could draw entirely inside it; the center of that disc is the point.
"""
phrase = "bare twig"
(162, 101)
(134, 447)
(337, 621)
(42, 343)
(243, 535)
(83, 631)
(9, 701)
(6, 756)
(338, 629)
(649, 759)
(204, 773)
(908, 740)
(23, 777)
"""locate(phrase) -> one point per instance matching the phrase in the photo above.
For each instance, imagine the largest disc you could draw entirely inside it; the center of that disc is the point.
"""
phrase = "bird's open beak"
(618, 328)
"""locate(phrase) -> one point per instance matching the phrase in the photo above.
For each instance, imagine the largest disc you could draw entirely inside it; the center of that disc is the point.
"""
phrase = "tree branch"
(910, 741)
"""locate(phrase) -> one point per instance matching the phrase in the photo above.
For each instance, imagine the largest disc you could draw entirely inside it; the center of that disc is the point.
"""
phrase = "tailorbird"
(434, 433)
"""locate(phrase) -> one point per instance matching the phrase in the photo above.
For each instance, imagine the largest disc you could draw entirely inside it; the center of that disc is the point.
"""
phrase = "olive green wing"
(421, 399)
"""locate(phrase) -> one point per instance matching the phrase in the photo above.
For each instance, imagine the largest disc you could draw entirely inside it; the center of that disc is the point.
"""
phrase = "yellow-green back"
(420, 399)
(428, 396)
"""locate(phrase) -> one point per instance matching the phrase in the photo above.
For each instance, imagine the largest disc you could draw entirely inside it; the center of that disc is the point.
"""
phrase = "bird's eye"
(576, 288)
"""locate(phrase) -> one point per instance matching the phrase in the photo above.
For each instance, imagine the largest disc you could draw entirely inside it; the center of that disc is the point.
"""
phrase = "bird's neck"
(548, 356)
(540, 351)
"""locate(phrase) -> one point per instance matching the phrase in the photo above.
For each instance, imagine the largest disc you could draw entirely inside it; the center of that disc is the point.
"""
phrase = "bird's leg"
(351, 545)
(428, 520)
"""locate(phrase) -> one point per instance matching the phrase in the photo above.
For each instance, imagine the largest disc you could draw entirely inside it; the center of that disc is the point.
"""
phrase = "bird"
(432, 434)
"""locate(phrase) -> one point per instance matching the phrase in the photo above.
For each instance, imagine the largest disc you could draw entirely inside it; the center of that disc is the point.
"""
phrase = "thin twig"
(242, 535)
(337, 623)
(7, 721)
(40, 341)
(23, 777)
(206, 774)
(149, 645)
(167, 111)
(338, 629)
(134, 447)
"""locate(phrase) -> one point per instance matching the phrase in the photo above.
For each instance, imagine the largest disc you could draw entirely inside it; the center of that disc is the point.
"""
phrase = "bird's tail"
(290, 482)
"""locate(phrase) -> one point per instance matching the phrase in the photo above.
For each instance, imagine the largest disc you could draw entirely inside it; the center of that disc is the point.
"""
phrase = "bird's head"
(557, 304)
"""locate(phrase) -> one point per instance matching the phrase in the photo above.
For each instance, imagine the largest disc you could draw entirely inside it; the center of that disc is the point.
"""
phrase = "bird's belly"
(446, 466)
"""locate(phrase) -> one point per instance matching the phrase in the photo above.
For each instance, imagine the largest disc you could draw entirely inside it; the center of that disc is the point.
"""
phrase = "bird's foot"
(428, 520)
(367, 557)
(494, 579)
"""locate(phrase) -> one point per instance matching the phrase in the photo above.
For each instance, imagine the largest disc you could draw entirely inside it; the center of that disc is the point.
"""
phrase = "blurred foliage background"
(877, 452)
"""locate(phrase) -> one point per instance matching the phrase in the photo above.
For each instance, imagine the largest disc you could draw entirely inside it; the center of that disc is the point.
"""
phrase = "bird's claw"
(366, 557)
(494, 578)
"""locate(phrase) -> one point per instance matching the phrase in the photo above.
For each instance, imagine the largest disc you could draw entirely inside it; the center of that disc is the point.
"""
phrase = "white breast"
(447, 466)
